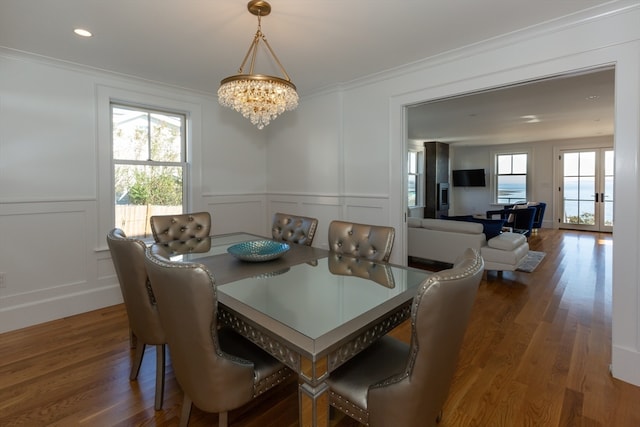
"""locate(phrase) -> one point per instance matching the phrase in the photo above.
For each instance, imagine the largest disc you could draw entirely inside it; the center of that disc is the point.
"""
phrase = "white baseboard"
(625, 364)
(22, 316)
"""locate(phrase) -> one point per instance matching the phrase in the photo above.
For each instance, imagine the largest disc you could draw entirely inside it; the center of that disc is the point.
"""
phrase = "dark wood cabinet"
(436, 179)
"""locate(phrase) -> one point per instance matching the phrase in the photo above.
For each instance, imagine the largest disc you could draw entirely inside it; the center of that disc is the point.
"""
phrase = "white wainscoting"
(233, 213)
(326, 208)
(56, 264)
(50, 263)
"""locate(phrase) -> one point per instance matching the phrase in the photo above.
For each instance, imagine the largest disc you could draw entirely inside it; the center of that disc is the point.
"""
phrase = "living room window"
(149, 166)
(511, 177)
(415, 178)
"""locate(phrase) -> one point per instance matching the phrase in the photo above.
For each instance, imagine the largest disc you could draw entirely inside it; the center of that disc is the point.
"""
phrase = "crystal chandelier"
(260, 98)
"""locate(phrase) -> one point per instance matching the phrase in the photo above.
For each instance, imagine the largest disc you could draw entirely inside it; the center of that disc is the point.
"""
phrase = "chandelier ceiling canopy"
(259, 97)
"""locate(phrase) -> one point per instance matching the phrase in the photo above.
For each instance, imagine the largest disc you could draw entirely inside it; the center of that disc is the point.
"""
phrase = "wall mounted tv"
(468, 178)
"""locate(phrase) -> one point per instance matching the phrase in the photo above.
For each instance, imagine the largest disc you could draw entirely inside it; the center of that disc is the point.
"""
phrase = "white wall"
(305, 162)
(372, 131)
(54, 166)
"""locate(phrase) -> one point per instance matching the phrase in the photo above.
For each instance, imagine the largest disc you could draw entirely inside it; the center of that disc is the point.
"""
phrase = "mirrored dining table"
(311, 309)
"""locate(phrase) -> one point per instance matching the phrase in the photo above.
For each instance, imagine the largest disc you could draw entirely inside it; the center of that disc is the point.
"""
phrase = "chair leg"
(137, 361)
(160, 355)
(223, 419)
(186, 411)
(133, 339)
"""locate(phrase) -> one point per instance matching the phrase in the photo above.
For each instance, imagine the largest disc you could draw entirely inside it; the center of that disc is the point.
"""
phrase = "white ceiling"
(195, 43)
(564, 107)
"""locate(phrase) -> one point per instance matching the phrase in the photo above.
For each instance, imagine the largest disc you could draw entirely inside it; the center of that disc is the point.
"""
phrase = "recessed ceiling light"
(592, 97)
(82, 32)
(532, 118)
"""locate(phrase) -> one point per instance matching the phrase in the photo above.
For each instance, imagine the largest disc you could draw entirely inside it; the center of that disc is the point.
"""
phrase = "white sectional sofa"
(444, 240)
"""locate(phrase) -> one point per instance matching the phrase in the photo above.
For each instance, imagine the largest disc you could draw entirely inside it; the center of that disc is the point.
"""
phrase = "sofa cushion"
(414, 222)
(507, 241)
(466, 227)
(511, 257)
(490, 227)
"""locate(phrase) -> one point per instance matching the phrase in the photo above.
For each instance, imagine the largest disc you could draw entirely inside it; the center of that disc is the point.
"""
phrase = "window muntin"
(149, 166)
(511, 178)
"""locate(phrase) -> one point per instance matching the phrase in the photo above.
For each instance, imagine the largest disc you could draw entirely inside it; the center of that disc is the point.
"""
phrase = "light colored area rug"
(531, 261)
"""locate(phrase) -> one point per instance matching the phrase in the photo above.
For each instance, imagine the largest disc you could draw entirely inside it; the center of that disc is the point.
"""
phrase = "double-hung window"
(511, 178)
(415, 179)
(149, 166)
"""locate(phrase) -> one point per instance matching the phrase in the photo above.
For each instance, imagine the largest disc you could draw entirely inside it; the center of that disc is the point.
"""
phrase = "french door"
(586, 189)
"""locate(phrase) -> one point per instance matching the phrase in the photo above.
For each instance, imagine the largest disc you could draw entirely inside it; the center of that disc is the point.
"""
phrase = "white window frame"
(107, 95)
(494, 172)
(181, 163)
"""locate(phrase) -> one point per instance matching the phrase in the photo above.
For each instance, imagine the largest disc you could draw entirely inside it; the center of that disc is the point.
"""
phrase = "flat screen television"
(468, 178)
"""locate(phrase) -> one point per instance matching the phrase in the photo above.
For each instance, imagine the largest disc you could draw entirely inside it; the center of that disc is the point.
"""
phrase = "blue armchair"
(519, 219)
(539, 216)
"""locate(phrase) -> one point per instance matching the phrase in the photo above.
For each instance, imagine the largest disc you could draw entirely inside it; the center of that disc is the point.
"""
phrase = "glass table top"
(312, 298)
(316, 298)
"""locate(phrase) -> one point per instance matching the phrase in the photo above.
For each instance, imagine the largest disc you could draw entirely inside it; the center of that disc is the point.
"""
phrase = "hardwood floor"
(536, 353)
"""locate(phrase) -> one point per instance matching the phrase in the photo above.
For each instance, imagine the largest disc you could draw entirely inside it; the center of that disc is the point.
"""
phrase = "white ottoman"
(505, 251)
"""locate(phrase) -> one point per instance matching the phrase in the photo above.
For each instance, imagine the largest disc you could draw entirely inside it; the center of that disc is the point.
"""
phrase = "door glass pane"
(608, 163)
(587, 188)
(588, 163)
(587, 213)
(571, 162)
(570, 188)
(571, 211)
(608, 188)
(608, 214)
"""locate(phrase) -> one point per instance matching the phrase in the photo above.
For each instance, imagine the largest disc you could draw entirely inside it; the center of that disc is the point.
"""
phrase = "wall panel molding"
(51, 267)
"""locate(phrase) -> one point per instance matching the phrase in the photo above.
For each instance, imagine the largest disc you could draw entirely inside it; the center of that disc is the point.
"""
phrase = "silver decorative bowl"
(258, 250)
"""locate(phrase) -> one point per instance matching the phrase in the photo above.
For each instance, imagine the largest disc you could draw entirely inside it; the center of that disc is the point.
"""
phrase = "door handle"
(596, 197)
(602, 197)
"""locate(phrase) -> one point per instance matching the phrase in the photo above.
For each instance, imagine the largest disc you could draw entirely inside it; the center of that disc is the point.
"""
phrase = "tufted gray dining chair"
(144, 323)
(294, 228)
(373, 242)
(217, 369)
(166, 228)
(392, 383)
